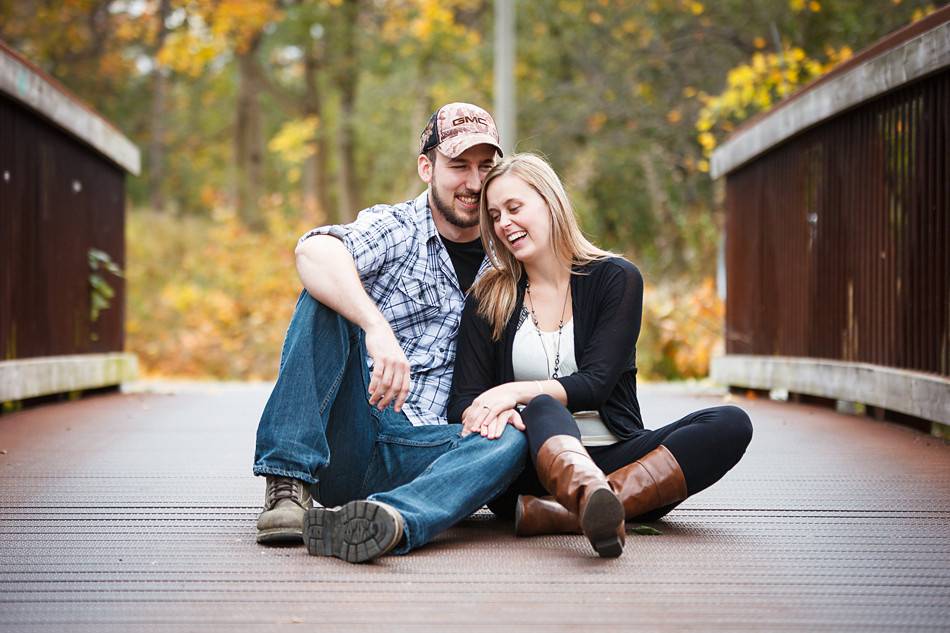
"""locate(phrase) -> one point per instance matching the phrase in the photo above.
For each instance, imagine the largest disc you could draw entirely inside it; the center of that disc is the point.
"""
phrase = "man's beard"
(448, 210)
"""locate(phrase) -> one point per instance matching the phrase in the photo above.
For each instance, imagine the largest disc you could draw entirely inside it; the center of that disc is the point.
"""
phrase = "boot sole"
(357, 532)
(280, 535)
(602, 517)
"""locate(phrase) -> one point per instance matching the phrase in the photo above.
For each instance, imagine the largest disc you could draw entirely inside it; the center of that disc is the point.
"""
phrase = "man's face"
(457, 182)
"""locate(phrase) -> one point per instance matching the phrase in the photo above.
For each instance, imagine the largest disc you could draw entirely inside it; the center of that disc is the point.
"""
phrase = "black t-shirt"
(466, 259)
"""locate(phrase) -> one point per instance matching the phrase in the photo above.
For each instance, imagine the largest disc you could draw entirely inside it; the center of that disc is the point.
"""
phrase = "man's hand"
(390, 379)
(329, 274)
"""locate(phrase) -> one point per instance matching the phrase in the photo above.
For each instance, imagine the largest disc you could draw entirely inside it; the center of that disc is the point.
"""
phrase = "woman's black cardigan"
(607, 303)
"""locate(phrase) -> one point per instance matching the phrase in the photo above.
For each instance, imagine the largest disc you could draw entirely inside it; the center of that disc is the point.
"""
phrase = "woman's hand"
(493, 429)
(484, 412)
(509, 416)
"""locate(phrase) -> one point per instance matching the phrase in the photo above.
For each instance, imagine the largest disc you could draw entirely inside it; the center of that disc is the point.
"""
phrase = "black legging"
(706, 444)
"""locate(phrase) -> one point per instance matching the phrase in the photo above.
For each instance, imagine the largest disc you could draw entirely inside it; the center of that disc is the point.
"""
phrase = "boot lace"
(284, 488)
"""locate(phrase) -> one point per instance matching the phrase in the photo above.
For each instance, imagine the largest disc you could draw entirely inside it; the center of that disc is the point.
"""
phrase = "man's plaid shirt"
(407, 272)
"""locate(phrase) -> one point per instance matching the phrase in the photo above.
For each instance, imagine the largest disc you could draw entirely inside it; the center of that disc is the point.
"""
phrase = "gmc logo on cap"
(469, 119)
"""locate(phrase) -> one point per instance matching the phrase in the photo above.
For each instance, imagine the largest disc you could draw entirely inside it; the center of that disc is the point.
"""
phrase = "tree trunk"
(315, 181)
(249, 138)
(156, 143)
(346, 78)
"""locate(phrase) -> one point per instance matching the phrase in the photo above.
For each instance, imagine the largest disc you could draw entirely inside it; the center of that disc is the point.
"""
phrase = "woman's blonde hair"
(497, 289)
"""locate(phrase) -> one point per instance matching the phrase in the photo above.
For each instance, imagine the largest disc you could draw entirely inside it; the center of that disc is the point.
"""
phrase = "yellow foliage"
(674, 116)
(190, 51)
(210, 299)
(240, 21)
(596, 121)
(645, 92)
(696, 8)
(207, 297)
(757, 86)
(759, 42)
(681, 331)
(742, 75)
(796, 5)
(435, 19)
(573, 7)
(814, 6)
(921, 13)
(294, 141)
(646, 36)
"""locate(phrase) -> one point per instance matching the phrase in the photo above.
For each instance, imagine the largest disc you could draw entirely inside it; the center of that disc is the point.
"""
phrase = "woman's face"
(521, 220)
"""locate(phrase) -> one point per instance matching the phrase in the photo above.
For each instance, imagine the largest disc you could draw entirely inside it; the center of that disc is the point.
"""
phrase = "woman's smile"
(515, 237)
(520, 217)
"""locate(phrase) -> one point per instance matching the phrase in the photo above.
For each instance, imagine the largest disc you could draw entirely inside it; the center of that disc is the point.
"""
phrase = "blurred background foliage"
(260, 118)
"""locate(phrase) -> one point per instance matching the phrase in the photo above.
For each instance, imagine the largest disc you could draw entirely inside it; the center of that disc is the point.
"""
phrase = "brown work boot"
(653, 481)
(567, 471)
(356, 532)
(285, 504)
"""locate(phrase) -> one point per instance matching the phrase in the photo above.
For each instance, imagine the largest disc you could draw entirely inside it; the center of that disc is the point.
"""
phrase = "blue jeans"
(319, 427)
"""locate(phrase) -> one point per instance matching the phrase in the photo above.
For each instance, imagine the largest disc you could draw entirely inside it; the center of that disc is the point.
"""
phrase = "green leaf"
(113, 268)
(99, 302)
(100, 286)
(646, 530)
(96, 256)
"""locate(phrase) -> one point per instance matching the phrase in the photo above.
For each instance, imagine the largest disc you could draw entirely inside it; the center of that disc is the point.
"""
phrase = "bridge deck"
(136, 512)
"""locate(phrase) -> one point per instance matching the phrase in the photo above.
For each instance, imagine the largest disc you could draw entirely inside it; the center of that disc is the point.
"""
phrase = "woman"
(548, 344)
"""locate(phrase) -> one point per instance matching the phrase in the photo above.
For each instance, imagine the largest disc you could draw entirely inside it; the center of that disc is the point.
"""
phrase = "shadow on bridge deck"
(136, 511)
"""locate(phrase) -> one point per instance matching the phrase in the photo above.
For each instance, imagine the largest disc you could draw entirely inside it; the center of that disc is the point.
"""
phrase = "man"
(358, 412)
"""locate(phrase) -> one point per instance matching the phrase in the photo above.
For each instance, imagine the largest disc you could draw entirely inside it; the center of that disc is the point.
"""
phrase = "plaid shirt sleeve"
(378, 237)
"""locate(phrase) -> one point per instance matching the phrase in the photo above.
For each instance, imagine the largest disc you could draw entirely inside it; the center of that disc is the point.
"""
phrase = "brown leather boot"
(653, 481)
(568, 472)
(543, 515)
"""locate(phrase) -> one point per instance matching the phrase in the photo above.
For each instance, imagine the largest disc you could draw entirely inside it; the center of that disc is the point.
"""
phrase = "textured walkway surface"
(136, 512)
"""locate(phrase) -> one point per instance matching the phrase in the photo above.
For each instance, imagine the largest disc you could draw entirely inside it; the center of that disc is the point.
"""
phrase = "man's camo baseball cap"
(455, 127)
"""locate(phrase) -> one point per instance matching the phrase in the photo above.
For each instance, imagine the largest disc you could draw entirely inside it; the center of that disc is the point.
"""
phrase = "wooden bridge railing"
(838, 233)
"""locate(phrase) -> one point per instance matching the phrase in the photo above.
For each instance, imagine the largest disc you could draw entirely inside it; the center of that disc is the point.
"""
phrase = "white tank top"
(530, 362)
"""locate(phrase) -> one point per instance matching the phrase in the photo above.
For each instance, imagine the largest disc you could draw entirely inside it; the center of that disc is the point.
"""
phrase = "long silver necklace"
(560, 326)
